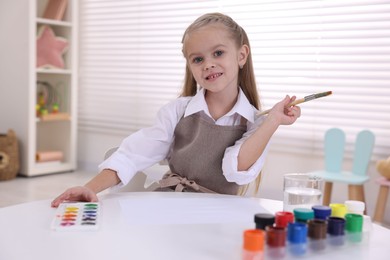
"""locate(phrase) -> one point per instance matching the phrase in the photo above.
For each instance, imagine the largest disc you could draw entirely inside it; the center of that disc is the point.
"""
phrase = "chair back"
(363, 150)
(110, 152)
(334, 149)
(137, 183)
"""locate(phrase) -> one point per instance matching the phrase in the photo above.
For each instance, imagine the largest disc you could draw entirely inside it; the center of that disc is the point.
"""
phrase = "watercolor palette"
(77, 216)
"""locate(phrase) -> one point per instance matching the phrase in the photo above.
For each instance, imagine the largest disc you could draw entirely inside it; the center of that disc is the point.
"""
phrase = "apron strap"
(180, 183)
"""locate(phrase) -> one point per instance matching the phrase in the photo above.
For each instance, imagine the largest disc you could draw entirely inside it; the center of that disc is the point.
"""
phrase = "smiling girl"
(211, 135)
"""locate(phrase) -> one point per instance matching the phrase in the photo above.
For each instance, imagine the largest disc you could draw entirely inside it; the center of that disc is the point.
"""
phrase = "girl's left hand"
(285, 114)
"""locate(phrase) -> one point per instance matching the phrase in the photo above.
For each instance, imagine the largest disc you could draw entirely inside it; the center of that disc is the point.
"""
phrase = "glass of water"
(301, 190)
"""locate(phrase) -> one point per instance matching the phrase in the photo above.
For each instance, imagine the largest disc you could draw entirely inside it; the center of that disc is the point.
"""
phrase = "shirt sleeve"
(230, 160)
(147, 146)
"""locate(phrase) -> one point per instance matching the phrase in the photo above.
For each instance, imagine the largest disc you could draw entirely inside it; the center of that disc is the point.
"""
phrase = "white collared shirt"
(151, 145)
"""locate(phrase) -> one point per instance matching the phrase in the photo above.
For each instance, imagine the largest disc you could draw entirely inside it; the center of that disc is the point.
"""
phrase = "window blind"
(131, 63)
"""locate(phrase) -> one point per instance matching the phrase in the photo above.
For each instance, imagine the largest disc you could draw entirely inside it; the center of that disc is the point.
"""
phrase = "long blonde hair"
(246, 76)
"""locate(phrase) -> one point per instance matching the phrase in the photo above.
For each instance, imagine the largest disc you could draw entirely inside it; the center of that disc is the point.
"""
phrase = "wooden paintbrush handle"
(296, 102)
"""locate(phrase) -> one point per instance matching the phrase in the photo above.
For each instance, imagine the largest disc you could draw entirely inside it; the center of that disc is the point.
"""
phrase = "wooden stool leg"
(381, 204)
(356, 192)
(327, 193)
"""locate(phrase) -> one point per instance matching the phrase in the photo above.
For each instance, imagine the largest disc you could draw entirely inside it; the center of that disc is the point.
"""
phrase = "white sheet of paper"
(189, 210)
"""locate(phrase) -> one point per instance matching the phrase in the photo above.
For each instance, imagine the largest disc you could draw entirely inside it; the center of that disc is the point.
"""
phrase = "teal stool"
(334, 155)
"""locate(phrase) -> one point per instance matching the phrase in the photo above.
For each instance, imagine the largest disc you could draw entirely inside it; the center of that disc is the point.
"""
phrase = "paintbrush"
(301, 100)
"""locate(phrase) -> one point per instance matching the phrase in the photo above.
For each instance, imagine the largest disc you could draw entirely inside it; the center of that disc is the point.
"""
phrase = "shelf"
(47, 89)
(54, 71)
(49, 164)
(52, 167)
(53, 22)
(54, 117)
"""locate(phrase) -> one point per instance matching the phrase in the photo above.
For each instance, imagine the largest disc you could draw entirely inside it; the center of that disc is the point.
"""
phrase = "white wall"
(92, 146)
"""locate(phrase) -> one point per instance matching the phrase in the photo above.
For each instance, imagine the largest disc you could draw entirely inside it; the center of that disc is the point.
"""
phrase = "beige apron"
(196, 159)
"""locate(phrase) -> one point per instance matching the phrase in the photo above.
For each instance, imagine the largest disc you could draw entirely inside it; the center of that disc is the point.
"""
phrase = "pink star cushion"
(50, 49)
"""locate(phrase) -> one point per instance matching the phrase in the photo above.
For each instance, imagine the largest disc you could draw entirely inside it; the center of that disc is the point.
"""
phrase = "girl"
(211, 135)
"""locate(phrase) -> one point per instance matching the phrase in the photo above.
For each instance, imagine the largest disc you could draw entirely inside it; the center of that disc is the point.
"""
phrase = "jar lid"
(253, 240)
(336, 226)
(263, 219)
(303, 214)
(355, 206)
(338, 210)
(353, 222)
(321, 212)
(282, 218)
(297, 233)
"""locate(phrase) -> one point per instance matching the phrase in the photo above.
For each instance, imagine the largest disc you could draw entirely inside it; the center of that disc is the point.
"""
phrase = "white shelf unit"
(20, 20)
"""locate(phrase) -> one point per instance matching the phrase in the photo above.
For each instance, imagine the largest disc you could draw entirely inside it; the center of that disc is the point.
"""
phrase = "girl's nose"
(209, 66)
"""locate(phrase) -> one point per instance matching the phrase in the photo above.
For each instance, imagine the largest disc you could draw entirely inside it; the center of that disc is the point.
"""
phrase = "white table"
(25, 234)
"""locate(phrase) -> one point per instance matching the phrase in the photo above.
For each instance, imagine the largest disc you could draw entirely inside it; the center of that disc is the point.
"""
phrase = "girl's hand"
(283, 113)
(79, 193)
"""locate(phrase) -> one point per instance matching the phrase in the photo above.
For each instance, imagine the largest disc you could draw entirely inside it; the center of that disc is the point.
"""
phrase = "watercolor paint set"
(77, 216)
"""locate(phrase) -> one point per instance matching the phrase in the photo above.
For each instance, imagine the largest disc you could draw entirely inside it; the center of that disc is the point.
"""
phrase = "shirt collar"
(242, 106)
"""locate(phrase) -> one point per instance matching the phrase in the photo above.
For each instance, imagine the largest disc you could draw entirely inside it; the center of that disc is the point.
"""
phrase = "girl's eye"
(218, 53)
(197, 60)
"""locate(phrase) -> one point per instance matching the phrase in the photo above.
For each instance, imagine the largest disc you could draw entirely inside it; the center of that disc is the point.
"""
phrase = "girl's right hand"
(285, 114)
(79, 193)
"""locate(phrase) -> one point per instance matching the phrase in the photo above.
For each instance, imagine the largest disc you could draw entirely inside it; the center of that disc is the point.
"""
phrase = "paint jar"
(336, 235)
(276, 242)
(301, 190)
(253, 245)
(262, 220)
(317, 229)
(303, 214)
(321, 212)
(355, 206)
(358, 207)
(367, 228)
(338, 210)
(297, 238)
(354, 227)
(282, 218)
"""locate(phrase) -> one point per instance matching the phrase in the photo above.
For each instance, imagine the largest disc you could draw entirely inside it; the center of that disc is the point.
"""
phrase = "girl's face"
(213, 58)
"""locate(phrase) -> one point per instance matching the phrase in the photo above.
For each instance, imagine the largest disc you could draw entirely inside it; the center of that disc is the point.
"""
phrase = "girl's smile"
(213, 76)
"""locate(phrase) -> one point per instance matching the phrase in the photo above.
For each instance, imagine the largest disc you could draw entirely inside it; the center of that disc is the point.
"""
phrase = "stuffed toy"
(383, 167)
(9, 156)
(50, 49)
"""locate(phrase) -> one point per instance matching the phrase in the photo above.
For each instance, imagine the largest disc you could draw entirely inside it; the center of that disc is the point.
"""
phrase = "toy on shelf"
(48, 103)
(50, 49)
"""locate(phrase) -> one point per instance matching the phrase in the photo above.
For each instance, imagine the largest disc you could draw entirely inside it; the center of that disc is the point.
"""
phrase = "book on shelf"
(49, 156)
(55, 9)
